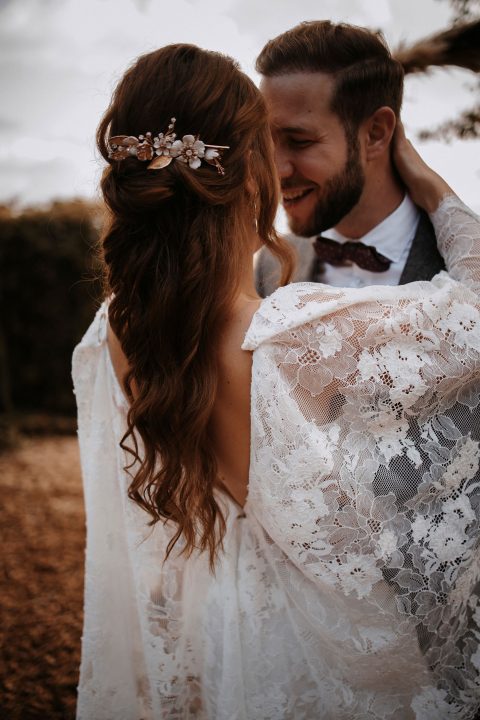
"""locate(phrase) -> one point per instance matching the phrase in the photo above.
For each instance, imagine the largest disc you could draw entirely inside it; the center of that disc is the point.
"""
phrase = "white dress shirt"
(392, 237)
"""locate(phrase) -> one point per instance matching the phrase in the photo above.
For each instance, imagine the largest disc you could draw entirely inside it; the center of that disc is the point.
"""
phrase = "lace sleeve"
(457, 229)
(366, 457)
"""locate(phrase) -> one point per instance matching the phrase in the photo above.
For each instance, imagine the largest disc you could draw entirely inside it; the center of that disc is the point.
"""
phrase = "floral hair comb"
(164, 147)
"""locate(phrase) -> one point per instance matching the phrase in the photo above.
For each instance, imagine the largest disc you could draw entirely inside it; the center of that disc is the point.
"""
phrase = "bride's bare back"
(230, 422)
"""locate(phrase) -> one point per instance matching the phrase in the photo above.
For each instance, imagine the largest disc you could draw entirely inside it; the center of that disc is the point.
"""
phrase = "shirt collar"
(393, 235)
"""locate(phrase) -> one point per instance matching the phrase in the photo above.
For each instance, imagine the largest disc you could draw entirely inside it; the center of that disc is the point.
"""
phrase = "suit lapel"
(424, 261)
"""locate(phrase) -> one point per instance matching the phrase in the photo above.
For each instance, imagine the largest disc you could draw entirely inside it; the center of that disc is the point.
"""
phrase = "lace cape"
(349, 585)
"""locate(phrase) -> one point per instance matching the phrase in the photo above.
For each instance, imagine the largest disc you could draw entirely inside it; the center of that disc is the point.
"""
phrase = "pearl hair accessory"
(161, 149)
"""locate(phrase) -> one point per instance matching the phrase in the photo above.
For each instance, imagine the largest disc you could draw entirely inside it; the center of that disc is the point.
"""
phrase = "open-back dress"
(349, 583)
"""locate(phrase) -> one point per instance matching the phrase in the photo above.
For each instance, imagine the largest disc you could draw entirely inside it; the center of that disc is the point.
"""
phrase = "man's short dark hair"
(366, 76)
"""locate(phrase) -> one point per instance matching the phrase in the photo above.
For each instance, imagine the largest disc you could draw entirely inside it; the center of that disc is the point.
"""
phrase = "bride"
(282, 496)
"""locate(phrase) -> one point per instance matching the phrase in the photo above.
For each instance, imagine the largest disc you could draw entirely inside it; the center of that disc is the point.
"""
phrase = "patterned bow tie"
(335, 253)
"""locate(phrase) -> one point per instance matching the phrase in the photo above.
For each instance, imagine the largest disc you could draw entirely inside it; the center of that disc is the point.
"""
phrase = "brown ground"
(42, 550)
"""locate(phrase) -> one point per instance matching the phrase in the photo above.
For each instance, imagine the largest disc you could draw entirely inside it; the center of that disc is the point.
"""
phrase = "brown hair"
(173, 254)
(366, 75)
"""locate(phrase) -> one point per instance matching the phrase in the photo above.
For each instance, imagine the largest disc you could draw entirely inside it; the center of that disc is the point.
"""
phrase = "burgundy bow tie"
(335, 253)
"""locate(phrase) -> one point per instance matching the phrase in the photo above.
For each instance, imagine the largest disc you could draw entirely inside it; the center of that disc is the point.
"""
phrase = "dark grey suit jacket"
(423, 262)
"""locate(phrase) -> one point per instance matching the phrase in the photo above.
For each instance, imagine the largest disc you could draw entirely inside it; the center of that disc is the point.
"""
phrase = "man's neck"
(381, 195)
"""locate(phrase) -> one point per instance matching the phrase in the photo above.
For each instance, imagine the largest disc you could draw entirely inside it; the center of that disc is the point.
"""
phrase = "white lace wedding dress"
(349, 585)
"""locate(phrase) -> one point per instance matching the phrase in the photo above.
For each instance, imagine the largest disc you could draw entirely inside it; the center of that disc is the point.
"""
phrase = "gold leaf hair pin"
(163, 148)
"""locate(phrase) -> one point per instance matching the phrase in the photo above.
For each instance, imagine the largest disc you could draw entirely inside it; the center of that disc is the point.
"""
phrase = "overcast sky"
(60, 59)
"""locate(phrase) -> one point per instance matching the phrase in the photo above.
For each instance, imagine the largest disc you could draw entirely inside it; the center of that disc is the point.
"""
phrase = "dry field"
(42, 549)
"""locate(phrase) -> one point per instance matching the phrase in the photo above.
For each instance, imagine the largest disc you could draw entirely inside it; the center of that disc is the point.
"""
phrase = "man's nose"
(283, 163)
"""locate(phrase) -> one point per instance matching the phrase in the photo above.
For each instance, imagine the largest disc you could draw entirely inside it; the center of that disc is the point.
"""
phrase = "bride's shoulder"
(289, 307)
(96, 333)
(303, 306)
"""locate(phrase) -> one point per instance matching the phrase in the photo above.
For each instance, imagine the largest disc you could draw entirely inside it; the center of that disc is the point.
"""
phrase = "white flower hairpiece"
(164, 147)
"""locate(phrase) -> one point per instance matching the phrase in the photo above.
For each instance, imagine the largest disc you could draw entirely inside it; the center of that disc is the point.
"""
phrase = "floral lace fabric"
(350, 583)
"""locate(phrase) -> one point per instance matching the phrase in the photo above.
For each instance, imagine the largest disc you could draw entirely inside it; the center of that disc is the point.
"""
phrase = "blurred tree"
(465, 10)
(467, 125)
(48, 293)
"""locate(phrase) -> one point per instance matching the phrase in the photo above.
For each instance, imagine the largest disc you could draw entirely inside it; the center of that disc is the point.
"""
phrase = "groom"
(334, 94)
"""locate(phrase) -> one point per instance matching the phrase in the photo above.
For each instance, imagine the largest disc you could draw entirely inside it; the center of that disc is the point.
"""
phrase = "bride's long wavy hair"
(173, 253)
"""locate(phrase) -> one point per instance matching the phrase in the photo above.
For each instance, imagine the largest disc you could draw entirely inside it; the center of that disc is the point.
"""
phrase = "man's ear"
(378, 132)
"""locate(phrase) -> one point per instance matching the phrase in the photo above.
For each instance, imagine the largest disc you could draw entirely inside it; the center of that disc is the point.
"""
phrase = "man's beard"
(339, 196)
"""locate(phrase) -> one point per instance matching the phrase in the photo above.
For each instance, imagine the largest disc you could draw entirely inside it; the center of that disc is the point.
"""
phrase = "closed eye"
(296, 143)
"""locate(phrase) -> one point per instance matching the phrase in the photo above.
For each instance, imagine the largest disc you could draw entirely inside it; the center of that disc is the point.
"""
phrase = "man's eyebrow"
(297, 130)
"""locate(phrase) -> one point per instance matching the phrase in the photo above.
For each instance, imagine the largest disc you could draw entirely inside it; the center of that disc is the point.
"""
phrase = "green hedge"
(49, 290)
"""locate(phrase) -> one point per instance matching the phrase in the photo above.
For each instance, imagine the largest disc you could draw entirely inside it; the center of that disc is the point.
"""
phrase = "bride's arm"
(457, 228)
(426, 188)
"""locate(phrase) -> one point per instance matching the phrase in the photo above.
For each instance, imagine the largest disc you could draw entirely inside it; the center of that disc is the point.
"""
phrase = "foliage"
(467, 125)
(49, 291)
(465, 9)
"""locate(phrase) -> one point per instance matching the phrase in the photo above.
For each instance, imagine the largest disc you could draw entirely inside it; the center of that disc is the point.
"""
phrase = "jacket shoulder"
(267, 266)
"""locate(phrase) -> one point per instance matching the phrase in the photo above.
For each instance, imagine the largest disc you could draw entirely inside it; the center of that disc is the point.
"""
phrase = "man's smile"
(291, 198)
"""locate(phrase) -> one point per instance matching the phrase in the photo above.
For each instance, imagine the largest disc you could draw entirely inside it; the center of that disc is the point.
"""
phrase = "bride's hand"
(425, 186)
